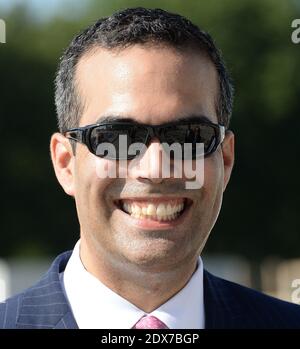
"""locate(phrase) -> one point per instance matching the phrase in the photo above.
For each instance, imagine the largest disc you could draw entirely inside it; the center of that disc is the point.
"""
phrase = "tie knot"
(148, 322)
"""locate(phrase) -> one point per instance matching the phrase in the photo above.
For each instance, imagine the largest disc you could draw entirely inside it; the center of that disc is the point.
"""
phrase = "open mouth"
(154, 209)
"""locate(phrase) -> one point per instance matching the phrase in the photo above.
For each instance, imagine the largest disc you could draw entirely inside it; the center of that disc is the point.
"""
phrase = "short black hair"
(124, 29)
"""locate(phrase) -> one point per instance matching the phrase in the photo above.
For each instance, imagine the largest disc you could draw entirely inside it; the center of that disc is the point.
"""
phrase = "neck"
(146, 288)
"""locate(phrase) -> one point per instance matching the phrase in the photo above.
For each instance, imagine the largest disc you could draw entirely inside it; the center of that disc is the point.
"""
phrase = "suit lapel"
(221, 309)
(67, 322)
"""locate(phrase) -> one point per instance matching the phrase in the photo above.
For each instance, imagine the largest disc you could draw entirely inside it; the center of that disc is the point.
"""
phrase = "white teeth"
(136, 210)
(127, 208)
(151, 210)
(161, 212)
(169, 209)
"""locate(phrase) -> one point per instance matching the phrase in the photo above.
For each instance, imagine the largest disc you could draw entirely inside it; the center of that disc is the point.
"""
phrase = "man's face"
(152, 85)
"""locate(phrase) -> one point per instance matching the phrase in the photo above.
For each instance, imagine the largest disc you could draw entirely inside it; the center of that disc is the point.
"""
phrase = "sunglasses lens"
(126, 141)
(113, 141)
(193, 134)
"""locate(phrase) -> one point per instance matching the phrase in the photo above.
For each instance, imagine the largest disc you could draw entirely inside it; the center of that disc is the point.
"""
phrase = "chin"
(156, 256)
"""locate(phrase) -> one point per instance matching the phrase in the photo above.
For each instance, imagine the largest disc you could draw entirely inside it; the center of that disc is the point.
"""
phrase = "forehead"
(147, 83)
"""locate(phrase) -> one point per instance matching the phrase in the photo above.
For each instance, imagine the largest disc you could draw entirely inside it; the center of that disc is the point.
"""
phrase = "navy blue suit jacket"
(227, 305)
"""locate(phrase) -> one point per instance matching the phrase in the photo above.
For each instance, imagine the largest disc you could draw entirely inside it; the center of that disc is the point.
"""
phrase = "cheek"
(210, 195)
(90, 187)
(213, 184)
(213, 173)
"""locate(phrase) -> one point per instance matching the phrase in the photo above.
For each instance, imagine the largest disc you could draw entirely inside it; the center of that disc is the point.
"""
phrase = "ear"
(228, 156)
(62, 160)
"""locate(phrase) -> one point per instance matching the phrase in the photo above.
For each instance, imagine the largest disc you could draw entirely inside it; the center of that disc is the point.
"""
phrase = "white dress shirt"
(95, 306)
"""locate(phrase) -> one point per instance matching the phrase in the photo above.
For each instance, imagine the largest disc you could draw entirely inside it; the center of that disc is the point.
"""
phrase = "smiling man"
(155, 79)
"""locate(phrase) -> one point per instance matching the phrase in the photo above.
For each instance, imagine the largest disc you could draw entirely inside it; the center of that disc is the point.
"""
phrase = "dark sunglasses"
(183, 132)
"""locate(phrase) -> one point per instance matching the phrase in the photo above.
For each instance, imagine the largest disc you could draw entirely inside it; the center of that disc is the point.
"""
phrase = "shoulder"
(26, 307)
(254, 308)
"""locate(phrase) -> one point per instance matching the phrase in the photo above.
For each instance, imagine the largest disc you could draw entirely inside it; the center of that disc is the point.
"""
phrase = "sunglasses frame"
(82, 134)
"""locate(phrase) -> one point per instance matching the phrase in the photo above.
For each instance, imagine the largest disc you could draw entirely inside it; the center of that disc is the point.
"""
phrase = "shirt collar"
(96, 306)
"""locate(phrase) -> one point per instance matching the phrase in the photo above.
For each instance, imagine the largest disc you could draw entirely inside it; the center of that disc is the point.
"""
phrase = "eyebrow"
(192, 118)
(114, 118)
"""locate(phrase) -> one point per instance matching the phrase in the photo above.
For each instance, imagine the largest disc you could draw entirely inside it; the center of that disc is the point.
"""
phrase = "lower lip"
(149, 224)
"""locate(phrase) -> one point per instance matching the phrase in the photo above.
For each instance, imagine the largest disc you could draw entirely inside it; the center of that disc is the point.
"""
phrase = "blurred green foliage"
(261, 205)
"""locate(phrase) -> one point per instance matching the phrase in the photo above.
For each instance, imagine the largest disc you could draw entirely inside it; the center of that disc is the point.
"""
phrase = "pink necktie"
(148, 322)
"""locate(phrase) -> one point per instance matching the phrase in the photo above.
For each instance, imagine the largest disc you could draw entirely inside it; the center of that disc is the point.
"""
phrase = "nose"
(149, 166)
